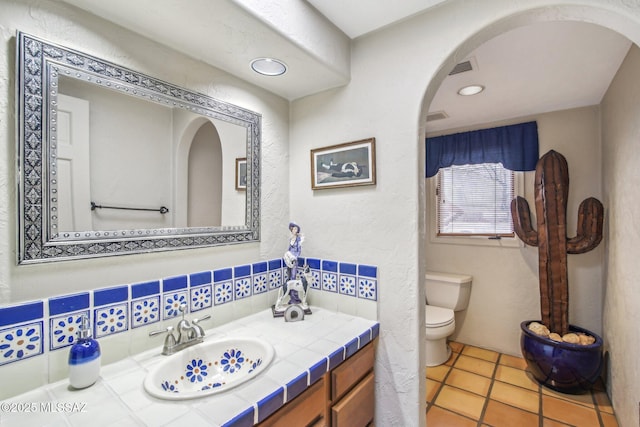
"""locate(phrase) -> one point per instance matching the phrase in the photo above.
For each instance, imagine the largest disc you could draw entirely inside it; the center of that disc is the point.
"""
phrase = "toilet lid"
(438, 316)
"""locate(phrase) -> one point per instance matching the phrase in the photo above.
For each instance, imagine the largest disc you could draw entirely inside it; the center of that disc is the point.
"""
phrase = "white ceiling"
(538, 68)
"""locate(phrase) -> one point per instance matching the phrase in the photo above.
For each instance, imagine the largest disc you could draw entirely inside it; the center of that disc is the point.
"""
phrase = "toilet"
(446, 293)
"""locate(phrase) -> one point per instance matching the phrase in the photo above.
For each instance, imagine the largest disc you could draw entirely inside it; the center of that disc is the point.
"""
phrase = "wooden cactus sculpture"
(551, 191)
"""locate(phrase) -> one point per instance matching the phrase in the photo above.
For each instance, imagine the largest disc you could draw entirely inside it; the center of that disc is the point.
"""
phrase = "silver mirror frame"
(38, 65)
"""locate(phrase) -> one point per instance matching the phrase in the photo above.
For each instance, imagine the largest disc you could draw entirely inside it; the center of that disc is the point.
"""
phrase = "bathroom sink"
(209, 368)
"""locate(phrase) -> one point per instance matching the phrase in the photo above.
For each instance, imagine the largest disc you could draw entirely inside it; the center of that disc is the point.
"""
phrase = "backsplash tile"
(21, 342)
(33, 328)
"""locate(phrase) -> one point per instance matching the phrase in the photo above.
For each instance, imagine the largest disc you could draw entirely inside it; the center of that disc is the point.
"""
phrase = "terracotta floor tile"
(437, 373)
(500, 415)
(477, 366)
(604, 404)
(460, 386)
(481, 353)
(584, 399)
(456, 346)
(609, 420)
(468, 381)
(432, 388)
(568, 412)
(438, 417)
(512, 361)
(546, 422)
(517, 377)
(460, 401)
(516, 396)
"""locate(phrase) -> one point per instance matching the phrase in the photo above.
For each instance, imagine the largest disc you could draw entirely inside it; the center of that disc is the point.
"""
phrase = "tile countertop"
(304, 351)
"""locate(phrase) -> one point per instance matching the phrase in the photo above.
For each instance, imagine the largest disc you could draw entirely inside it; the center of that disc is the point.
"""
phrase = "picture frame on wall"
(344, 165)
(241, 173)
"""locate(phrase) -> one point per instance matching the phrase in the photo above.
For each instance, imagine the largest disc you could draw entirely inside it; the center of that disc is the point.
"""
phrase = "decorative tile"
(347, 285)
(316, 279)
(21, 313)
(171, 303)
(242, 287)
(110, 320)
(368, 288)
(145, 311)
(275, 279)
(242, 271)
(20, 342)
(201, 298)
(68, 303)
(223, 293)
(140, 290)
(174, 284)
(63, 329)
(110, 295)
(329, 282)
(202, 278)
(260, 283)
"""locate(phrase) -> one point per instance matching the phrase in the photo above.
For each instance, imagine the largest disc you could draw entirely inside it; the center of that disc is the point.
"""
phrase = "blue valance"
(515, 146)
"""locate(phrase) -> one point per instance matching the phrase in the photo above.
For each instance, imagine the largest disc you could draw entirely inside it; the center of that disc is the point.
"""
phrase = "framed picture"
(241, 173)
(344, 165)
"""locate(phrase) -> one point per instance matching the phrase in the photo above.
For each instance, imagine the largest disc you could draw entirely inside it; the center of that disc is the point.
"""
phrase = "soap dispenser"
(84, 358)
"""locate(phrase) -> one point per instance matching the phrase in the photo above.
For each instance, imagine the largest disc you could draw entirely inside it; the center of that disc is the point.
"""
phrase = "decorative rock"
(539, 329)
(586, 339)
(555, 337)
(571, 338)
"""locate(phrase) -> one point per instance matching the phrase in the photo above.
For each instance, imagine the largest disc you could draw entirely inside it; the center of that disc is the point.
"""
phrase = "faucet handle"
(197, 328)
(168, 330)
(195, 321)
(169, 341)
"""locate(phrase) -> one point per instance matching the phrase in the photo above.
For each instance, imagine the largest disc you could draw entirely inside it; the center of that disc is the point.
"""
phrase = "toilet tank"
(448, 290)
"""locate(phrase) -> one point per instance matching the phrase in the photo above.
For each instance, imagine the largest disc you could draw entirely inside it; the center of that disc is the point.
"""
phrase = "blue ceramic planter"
(564, 367)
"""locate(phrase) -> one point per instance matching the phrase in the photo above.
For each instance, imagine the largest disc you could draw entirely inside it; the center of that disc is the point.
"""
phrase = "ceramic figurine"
(294, 250)
(300, 286)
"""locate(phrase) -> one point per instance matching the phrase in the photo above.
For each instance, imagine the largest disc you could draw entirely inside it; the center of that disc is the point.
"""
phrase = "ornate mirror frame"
(39, 63)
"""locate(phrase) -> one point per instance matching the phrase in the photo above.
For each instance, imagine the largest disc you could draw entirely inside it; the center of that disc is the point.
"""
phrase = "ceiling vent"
(436, 115)
(462, 67)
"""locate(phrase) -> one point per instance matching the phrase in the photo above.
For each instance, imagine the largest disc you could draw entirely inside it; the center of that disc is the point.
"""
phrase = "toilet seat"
(436, 317)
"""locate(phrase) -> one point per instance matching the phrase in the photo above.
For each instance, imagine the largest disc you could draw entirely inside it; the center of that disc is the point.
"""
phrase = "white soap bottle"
(84, 358)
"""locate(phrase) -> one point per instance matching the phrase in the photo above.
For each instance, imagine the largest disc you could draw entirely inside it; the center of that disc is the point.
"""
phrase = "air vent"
(461, 68)
(437, 115)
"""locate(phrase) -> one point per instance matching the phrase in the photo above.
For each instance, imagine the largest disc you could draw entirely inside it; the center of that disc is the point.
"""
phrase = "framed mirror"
(112, 161)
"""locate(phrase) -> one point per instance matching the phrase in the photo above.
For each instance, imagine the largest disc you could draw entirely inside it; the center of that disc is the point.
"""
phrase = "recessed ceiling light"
(268, 66)
(470, 90)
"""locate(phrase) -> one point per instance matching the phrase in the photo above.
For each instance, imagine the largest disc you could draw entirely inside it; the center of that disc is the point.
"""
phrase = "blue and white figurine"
(294, 290)
(84, 358)
(294, 251)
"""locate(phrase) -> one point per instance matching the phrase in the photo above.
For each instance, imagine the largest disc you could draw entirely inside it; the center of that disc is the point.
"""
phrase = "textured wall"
(621, 157)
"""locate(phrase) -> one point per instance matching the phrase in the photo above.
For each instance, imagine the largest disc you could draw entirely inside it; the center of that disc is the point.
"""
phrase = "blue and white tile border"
(33, 328)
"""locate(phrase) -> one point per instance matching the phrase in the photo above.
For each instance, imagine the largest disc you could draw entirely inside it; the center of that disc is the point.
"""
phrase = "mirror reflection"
(113, 161)
(173, 168)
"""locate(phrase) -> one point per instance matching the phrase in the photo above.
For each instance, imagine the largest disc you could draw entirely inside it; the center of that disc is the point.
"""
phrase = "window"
(475, 200)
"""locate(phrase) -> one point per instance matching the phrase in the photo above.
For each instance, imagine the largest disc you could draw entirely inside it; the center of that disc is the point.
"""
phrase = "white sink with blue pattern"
(209, 368)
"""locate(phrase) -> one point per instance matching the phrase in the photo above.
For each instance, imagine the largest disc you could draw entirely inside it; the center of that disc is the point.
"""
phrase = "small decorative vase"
(564, 367)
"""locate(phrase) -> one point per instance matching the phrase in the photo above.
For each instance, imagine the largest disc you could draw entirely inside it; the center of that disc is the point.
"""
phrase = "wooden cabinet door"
(357, 408)
(308, 409)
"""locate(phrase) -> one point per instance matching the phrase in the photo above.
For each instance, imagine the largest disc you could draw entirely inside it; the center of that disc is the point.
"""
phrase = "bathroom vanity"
(322, 375)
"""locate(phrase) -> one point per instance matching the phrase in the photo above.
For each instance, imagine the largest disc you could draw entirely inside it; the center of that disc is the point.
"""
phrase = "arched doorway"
(583, 13)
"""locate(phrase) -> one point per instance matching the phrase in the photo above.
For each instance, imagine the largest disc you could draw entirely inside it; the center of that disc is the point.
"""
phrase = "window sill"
(504, 242)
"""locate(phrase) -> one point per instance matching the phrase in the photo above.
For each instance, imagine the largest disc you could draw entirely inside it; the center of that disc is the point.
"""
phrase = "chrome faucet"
(189, 333)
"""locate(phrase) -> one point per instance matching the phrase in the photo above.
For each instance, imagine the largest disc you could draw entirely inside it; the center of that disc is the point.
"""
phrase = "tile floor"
(480, 388)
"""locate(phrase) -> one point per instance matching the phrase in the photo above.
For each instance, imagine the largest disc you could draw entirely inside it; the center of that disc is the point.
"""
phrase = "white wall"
(68, 26)
(621, 157)
(507, 276)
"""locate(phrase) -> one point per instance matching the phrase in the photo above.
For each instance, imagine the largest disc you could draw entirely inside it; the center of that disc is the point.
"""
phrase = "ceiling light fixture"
(268, 66)
(470, 90)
